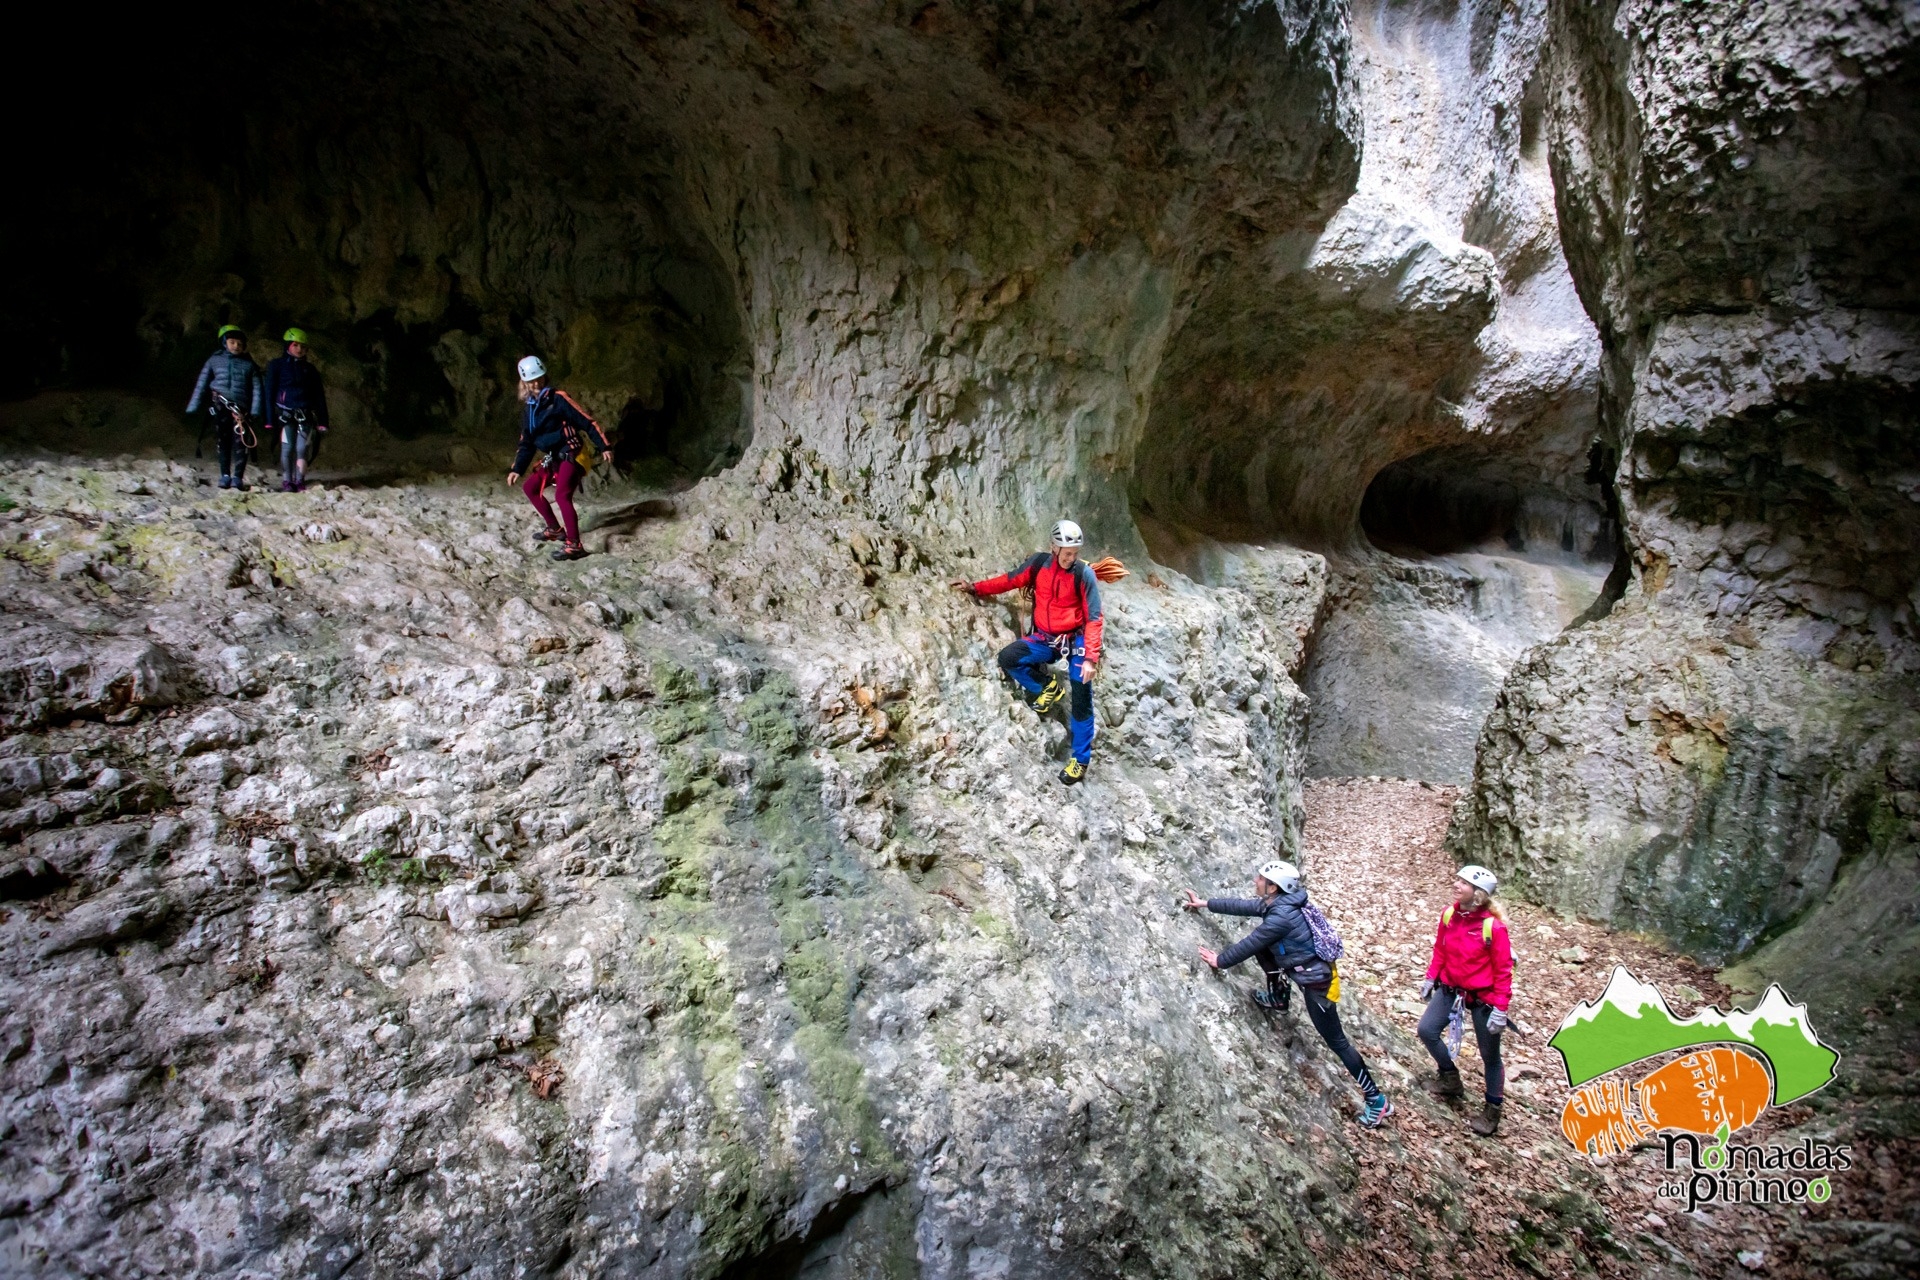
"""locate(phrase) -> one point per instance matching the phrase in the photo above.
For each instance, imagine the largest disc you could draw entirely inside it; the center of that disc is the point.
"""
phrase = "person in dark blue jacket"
(229, 374)
(1283, 944)
(556, 428)
(297, 401)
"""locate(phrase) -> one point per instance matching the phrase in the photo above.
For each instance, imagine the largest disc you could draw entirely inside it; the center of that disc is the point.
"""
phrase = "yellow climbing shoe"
(1050, 696)
(1073, 772)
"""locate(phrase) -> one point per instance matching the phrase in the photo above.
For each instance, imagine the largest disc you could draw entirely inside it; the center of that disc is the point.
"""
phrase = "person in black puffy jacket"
(229, 374)
(1283, 944)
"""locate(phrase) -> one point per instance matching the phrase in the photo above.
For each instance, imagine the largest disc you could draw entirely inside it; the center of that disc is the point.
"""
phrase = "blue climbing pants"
(1028, 662)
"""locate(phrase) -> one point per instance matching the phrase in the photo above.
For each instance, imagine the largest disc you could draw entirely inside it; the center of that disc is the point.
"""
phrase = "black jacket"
(235, 377)
(1282, 932)
(295, 384)
(555, 424)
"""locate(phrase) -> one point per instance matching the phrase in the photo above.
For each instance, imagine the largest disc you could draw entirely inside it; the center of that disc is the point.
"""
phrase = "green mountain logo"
(1631, 1021)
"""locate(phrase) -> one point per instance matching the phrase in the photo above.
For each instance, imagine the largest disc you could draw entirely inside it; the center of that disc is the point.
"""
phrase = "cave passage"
(426, 205)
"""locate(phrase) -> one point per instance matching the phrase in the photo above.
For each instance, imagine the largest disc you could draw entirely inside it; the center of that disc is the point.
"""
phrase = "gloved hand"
(1496, 1022)
(1426, 987)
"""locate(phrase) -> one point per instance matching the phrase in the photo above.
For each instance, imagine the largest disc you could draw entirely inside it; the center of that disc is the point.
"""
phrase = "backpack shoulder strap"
(1486, 931)
(1446, 917)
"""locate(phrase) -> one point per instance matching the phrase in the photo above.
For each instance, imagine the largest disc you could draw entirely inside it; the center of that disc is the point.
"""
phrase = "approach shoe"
(550, 535)
(1376, 1111)
(1049, 697)
(1273, 1002)
(286, 486)
(226, 482)
(1072, 774)
(572, 551)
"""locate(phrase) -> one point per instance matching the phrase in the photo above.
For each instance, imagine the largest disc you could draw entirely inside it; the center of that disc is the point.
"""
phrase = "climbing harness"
(242, 427)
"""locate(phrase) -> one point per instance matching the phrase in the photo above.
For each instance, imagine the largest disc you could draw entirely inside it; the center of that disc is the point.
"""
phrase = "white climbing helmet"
(1480, 878)
(1067, 534)
(1283, 874)
(531, 369)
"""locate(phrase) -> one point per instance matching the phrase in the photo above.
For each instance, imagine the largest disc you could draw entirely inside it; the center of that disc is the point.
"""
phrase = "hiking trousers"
(1433, 1026)
(1028, 662)
(1325, 1016)
(565, 478)
(227, 443)
(296, 445)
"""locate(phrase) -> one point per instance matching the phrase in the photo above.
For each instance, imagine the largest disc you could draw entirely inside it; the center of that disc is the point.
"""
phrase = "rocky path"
(1375, 862)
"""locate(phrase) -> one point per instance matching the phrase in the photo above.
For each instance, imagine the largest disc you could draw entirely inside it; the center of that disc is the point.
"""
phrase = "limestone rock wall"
(1733, 742)
(1432, 322)
(379, 897)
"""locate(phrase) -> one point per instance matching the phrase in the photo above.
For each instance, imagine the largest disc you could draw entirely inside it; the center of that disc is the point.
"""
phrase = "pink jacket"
(1471, 958)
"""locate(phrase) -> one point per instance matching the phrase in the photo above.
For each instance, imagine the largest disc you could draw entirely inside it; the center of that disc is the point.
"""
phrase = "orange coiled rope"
(1109, 569)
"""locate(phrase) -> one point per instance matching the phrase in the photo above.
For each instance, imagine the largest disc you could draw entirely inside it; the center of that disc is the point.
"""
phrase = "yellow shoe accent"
(1050, 696)
(1073, 772)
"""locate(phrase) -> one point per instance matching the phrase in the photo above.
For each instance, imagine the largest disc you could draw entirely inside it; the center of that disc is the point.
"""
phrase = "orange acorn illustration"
(1694, 1094)
(1702, 1091)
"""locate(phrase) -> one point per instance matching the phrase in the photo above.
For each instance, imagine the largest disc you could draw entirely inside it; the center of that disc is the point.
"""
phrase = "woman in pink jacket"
(1472, 962)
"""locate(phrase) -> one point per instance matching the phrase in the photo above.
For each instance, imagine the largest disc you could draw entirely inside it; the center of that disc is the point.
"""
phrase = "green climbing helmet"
(231, 331)
(294, 335)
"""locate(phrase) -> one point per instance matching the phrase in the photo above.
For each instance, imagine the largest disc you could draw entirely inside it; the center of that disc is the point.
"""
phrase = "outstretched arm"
(200, 387)
(1269, 932)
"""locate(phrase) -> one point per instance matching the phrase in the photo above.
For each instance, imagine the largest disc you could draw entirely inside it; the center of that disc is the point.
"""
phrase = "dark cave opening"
(1413, 506)
(448, 212)
(1447, 501)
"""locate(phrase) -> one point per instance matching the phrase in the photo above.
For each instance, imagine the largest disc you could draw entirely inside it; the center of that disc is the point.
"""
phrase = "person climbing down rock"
(229, 388)
(297, 401)
(556, 428)
(1470, 976)
(1067, 622)
(1284, 943)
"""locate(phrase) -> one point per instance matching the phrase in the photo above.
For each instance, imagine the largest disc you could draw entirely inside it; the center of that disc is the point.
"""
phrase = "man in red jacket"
(1067, 622)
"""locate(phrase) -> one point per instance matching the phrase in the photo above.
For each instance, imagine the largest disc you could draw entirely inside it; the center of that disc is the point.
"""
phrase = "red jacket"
(1064, 600)
(1472, 957)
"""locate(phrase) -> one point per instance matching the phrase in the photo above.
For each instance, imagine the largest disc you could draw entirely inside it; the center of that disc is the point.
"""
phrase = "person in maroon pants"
(555, 429)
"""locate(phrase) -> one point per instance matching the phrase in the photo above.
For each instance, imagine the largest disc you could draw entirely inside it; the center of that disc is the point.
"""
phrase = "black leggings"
(1433, 1025)
(1326, 1020)
(1325, 1016)
(227, 443)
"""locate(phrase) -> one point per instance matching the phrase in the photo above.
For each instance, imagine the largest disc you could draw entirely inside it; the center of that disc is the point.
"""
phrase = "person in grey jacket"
(232, 374)
(1283, 944)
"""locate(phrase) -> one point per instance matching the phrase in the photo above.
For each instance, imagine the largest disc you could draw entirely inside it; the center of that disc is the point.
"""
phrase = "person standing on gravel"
(1471, 970)
(229, 387)
(1068, 621)
(1283, 944)
(297, 399)
(556, 428)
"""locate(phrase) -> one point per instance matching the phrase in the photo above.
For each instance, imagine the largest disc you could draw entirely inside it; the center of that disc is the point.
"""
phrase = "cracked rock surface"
(702, 904)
